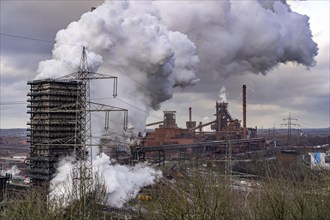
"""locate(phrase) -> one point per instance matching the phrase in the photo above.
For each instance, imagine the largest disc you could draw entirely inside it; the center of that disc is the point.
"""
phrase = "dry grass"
(282, 194)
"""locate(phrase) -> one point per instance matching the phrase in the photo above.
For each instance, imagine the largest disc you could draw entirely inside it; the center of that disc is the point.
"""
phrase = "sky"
(28, 32)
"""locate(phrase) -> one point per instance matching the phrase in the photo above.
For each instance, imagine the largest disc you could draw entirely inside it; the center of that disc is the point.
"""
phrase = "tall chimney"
(244, 112)
(189, 113)
(190, 123)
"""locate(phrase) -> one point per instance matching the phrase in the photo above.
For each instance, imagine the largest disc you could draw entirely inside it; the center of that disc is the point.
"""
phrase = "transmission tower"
(289, 123)
(82, 173)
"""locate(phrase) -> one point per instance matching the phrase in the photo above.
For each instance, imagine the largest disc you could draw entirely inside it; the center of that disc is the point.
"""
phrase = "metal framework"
(83, 166)
(70, 130)
(222, 116)
(139, 152)
(51, 133)
(289, 123)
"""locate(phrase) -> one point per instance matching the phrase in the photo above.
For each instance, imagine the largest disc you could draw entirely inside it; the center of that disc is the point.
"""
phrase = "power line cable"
(27, 38)
(123, 72)
(37, 39)
(53, 42)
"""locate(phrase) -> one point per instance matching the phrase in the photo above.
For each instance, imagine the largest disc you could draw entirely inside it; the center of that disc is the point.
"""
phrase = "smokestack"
(244, 112)
(190, 123)
(189, 113)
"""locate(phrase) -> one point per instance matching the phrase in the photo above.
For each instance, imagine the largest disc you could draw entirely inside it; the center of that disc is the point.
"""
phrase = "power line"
(27, 38)
(115, 67)
(38, 39)
(127, 103)
(53, 42)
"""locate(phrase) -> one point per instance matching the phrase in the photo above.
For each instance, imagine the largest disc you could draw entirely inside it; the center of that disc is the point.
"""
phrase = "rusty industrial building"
(227, 136)
(51, 132)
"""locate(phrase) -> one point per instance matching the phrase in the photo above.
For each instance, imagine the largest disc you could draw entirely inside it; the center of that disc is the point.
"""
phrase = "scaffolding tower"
(50, 133)
(61, 125)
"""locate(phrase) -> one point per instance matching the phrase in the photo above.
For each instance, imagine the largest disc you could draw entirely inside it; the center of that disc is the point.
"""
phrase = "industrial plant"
(60, 126)
(227, 137)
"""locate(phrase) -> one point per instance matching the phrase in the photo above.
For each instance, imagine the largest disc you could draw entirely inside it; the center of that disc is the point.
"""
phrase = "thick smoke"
(122, 182)
(235, 37)
(154, 46)
(128, 39)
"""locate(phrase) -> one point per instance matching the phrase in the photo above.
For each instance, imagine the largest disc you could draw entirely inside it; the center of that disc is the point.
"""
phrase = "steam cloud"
(122, 182)
(160, 45)
(13, 170)
(222, 94)
(234, 37)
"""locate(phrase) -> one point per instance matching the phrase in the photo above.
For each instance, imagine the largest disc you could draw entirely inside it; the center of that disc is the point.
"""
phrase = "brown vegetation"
(280, 194)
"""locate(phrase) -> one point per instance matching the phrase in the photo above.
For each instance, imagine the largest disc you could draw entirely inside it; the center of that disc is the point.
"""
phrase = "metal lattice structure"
(51, 133)
(222, 116)
(61, 119)
(83, 166)
(289, 123)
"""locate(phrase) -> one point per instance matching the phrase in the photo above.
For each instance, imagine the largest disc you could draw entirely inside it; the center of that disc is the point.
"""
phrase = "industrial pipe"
(202, 125)
(155, 123)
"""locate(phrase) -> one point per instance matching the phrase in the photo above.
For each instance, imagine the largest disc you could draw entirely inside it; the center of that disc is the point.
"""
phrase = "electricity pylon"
(82, 173)
(290, 124)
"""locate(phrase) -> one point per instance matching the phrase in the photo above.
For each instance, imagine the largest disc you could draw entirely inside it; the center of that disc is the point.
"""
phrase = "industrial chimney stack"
(244, 112)
(189, 113)
(190, 123)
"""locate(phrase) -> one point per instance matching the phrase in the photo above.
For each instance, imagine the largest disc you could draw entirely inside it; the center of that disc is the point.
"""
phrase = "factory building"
(168, 133)
(224, 130)
(52, 129)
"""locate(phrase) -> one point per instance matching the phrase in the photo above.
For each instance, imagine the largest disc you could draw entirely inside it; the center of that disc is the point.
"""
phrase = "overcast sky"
(289, 87)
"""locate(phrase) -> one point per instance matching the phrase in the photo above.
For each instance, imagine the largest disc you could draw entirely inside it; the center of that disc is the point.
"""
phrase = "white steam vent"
(122, 182)
(222, 94)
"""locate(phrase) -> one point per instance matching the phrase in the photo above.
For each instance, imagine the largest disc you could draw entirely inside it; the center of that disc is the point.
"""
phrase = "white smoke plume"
(122, 182)
(235, 37)
(129, 39)
(222, 94)
(154, 46)
(12, 170)
(204, 121)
